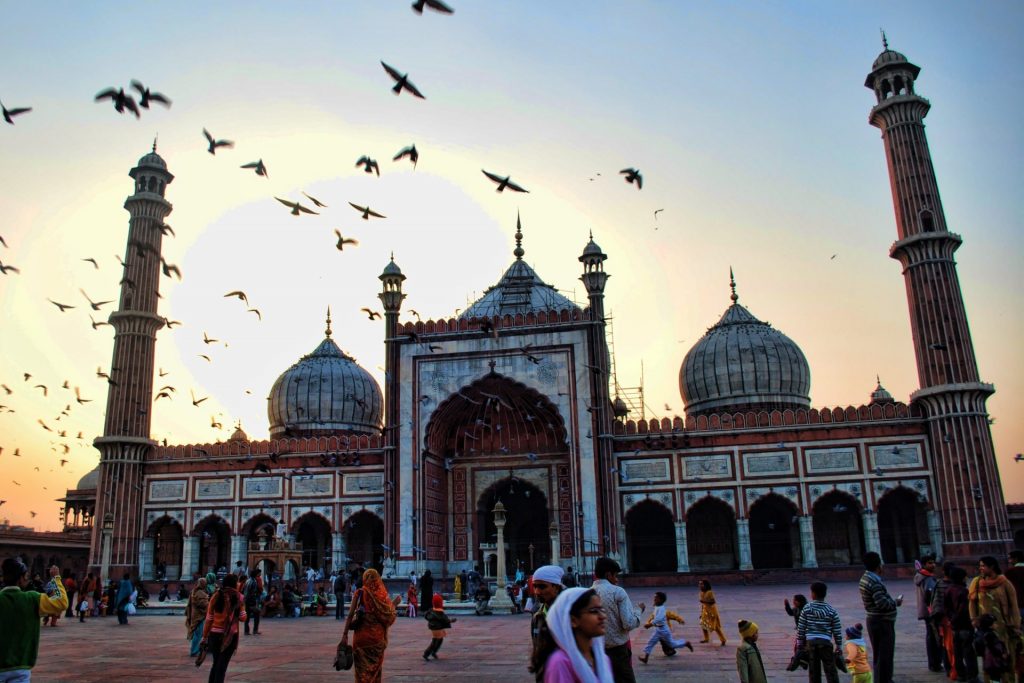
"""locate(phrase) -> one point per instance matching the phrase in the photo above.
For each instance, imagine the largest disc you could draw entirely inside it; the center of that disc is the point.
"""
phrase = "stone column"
(189, 557)
(106, 533)
(807, 542)
(682, 552)
(553, 536)
(871, 542)
(239, 551)
(338, 550)
(146, 546)
(935, 533)
(500, 600)
(743, 542)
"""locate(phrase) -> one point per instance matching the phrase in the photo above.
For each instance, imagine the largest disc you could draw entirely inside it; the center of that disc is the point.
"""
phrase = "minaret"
(969, 494)
(594, 279)
(125, 441)
(391, 297)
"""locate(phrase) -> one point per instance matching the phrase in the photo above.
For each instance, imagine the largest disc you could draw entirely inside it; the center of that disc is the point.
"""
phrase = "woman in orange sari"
(371, 636)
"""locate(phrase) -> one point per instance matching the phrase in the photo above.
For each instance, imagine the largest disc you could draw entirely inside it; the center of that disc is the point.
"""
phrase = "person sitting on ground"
(571, 649)
(320, 601)
(183, 592)
(749, 664)
(272, 607)
(482, 596)
(290, 600)
(165, 594)
(142, 600)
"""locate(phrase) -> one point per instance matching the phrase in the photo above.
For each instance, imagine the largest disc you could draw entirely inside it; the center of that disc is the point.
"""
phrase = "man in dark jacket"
(252, 595)
(924, 582)
(426, 589)
(881, 617)
(339, 595)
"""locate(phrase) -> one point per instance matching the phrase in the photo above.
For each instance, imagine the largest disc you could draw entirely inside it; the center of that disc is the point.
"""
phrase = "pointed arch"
(838, 529)
(774, 532)
(651, 535)
(711, 535)
(902, 525)
(527, 522)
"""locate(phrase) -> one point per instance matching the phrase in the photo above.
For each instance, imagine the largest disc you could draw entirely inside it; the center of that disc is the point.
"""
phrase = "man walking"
(339, 595)
(881, 617)
(621, 618)
(924, 582)
(817, 630)
(252, 595)
(20, 613)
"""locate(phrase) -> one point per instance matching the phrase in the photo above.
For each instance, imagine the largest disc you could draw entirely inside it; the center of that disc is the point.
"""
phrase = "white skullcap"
(551, 573)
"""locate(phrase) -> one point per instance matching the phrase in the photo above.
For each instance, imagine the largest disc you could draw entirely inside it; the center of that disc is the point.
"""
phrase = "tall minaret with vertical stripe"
(969, 496)
(126, 438)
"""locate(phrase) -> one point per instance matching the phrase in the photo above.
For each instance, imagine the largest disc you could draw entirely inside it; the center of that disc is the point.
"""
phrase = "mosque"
(497, 440)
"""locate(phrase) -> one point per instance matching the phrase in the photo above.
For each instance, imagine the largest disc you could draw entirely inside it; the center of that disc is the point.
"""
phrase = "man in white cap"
(547, 584)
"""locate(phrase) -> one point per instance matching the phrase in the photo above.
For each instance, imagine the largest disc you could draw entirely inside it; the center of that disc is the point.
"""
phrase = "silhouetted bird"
(146, 96)
(503, 182)
(402, 81)
(62, 307)
(260, 168)
(296, 207)
(342, 241)
(410, 152)
(435, 5)
(369, 165)
(315, 201)
(366, 211)
(9, 114)
(4, 269)
(371, 314)
(633, 176)
(214, 144)
(120, 99)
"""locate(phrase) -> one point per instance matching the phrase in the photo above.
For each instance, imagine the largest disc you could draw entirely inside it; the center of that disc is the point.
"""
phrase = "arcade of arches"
(774, 535)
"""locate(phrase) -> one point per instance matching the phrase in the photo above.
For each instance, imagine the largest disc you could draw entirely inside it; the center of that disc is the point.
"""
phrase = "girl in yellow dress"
(709, 619)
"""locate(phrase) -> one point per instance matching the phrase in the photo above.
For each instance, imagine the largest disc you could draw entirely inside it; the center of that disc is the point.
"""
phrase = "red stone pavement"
(478, 649)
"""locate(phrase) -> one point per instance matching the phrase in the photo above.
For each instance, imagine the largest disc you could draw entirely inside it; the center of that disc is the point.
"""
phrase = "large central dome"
(325, 391)
(742, 363)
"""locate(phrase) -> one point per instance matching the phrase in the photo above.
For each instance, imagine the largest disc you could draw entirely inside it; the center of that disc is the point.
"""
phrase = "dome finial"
(154, 142)
(327, 332)
(519, 239)
(885, 41)
(732, 285)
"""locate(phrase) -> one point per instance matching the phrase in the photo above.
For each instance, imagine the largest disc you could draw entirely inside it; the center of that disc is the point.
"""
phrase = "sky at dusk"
(747, 121)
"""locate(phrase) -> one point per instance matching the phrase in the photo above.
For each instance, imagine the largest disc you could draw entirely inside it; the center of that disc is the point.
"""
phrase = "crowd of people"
(579, 634)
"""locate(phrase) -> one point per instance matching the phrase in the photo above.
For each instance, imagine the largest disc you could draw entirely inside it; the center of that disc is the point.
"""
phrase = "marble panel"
(645, 470)
(896, 456)
(313, 485)
(827, 460)
(767, 464)
(163, 489)
(213, 489)
(261, 487)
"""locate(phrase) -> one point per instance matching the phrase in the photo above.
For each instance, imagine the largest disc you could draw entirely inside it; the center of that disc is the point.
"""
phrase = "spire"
(519, 239)
(154, 142)
(732, 285)
(885, 41)
(327, 332)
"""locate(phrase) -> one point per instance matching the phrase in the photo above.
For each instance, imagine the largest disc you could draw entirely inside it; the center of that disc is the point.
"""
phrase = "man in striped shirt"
(821, 633)
(881, 617)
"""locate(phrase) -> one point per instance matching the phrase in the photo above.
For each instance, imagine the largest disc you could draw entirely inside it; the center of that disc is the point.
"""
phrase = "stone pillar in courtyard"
(682, 553)
(500, 601)
(871, 541)
(238, 552)
(935, 532)
(743, 542)
(146, 546)
(807, 542)
(189, 557)
(338, 550)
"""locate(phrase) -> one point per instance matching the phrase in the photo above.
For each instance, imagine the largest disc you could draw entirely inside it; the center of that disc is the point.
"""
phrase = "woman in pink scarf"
(572, 650)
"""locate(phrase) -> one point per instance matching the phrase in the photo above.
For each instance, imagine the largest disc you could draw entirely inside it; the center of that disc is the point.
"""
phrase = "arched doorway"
(168, 542)
(711, 535)
(902, 524)
(526, 523)
(214, 544)
(1018, 539)
(838, 532)
(260, 529)
(364, 536)
(313, 532)
(651, 535)
(774, 534)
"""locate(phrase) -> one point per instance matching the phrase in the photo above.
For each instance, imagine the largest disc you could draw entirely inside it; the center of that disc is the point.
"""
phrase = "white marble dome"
(742, 363)
(325, 391)
(90, 480)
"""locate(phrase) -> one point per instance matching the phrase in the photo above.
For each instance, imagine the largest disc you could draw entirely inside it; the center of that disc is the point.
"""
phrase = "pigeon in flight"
(296, 207)
(120, 99)
(258, 166)
(342, 241)
(9, 114)
(95, 304)
(4, 269)
(435, 5)
(371, 314)
(146, 96)
(369, 165)
(240, 295)
(410, 152)
(402, 81)
(504, 182)
(62, 307)
(633, 176)
(315, 201)
(214, 144)
(366, 211)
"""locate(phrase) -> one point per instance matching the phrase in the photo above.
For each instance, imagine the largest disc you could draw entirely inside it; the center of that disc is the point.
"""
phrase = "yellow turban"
(747, 628)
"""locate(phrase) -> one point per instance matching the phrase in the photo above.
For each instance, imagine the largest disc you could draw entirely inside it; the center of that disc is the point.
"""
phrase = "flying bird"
(369, 165)
(169, 268)
(196, 401)
(415, 313)
(4, 269)
(504, 182)
(410, 152)
(260, 168)
(62, 307)
(315, 201)
(256, 311)
(93, 262)
(240, 295)
(78, 397)
(46, 392)
(210, 340)
(95, 304)
(1018, 458)
(146, 96)
(633, 176)
(342, 241)
(435, 5)
(214, 144)
(656, 212)
(9, 114)
(120, 99)
(371, 314)
(402, 81)
(366, 211)
(296, 207)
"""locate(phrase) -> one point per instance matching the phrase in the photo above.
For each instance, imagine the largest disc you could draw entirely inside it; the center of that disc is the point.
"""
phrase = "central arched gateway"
(651, 534)
(214, 544)
(490, 428)
(774, 535)
(313, 533)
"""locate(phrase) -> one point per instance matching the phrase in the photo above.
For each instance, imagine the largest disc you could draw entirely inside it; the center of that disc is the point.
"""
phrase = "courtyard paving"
(479, 649)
